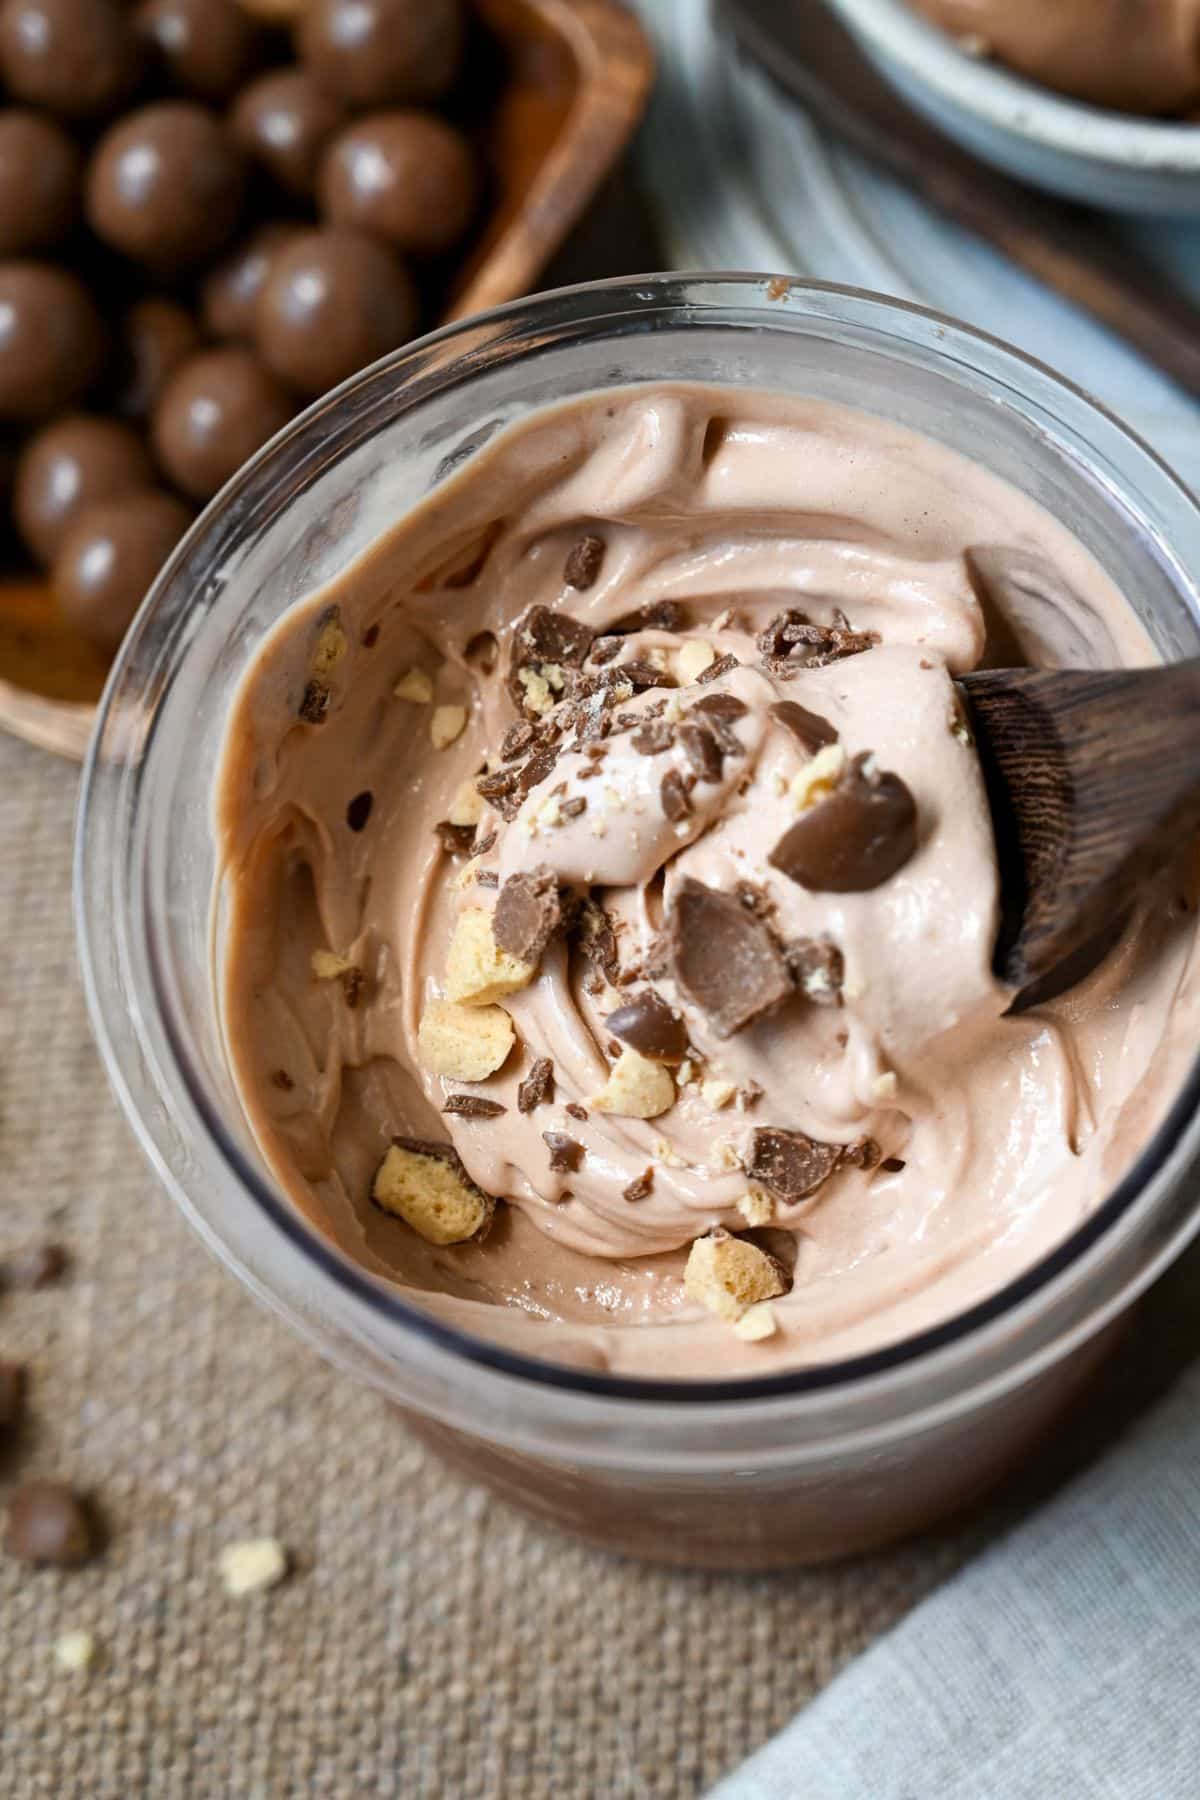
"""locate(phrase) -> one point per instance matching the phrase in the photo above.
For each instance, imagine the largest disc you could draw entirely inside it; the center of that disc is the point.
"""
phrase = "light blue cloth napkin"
(1064, 1664)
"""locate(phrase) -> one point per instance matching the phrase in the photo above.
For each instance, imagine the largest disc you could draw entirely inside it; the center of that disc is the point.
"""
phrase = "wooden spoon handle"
(1094, 782)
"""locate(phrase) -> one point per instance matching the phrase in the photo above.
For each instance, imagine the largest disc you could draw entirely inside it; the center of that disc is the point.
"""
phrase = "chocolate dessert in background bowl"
(554, 898)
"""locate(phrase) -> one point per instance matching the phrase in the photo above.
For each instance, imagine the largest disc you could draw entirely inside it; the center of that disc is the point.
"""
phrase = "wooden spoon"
(1094, 784)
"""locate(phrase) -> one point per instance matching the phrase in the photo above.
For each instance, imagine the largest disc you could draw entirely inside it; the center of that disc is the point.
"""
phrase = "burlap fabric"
(430, 1642)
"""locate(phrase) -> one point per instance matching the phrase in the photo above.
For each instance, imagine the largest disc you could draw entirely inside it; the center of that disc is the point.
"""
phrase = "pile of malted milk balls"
(206, 218)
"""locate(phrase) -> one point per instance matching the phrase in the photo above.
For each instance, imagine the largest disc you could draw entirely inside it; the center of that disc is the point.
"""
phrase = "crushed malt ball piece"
(717, 1094)
(466, 807)
(447, 724)
(252, 1565)
(327, 965)
(414, 685)
(331, 646)
(477, 970)
(694, 657)
(729, 1275)
(536, 696)
(756, 1324)
(636, 1088)
(818, 778)
(464, 1043)
(756, 1208)
(427, 1186)
(75, 1652)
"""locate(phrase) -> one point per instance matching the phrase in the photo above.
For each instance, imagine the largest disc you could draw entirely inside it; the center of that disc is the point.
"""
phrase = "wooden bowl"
(579, 73)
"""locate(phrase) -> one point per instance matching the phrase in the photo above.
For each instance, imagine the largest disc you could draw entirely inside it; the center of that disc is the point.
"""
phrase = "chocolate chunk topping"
(583, 561)
(544, 637)
(642, 676)
(48, 1523)
(722, 706)
(605, 649)
(652, 738)
(724, 958)
(576, 1111)
(359, 810)
(657, 615)
(810, 730)
(528, 913)
(790, 1163)
(536, 769)
(892, 1165)
(314, 706)
(517, 740)
(566, 1153)
(639, 1188)
(649, 1026)
(721, 665)
(854, 839)
(12, 1394)
(598, 941)
(673, 793)
(353, 982)
(791, 642)
(473, 1106)
(485, 844)
(537, 1087)
(702, 750)
(456, 840)
(40, 1266)
(818, 969)
(283, 1081)
(496, 786)
(574, 807)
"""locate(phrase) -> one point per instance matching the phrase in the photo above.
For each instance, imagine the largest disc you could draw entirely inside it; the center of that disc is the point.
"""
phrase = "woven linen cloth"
(430, 1642)
(1064, 1662)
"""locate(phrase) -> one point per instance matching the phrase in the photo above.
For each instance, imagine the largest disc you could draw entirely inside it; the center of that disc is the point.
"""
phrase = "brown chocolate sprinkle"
(648, 1025)
(12, 1393)
(40, 1266)
(314, 706)
(583, 561)
(359, 810)
(576, 1111)
(283, 1081)
(656, 615)
(818, 969)
(456, 840)
(537, 1087)
(598, 941)
(473, 1106)
(566, 1153)
(720, 665)
(370, 637)
(702, 750)
(790, 1163)
(792, 642)
(673, 794)
(528, 913)
(48, 1525)
(856, 838)
(605, 650)
(574, 807)
(810, 730)
(892, 1165)
(639, 1188)
(724, 958)
(652, 738)
(517, 740)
